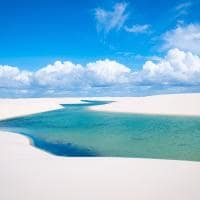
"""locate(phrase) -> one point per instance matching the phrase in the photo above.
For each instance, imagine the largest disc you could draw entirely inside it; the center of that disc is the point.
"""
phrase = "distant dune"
(176, 104)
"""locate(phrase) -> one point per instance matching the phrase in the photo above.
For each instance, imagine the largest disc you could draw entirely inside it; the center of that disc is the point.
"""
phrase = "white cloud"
(60, 75)
(182, 8)
(108, 20)
(138, 28)
(12, 77)
(186, 38)
(107, 72)
(178, 67)
(68, 75)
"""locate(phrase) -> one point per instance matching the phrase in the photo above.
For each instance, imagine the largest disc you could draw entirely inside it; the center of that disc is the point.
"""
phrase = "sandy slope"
(26, 173)
(29, 174)
(18, 107)
(177, 104)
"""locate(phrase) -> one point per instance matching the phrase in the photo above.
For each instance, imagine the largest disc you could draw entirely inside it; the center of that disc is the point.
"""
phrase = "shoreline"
(12, 108)
(94, 178)
(169, 105)
(173, 104)
(19, 136)
(31, 143)
(30, 173)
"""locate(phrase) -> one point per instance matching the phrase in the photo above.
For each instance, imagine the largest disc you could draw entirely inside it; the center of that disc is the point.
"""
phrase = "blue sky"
(36, 33)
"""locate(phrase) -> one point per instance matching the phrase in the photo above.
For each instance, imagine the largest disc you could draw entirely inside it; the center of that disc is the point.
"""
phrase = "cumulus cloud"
(185, 38)
(60, 75)
(69, 75)
(107, 72)
(178, 67)
(103, 77)
(108, 20)
(138, 28)
(12, 77)
(66, 75)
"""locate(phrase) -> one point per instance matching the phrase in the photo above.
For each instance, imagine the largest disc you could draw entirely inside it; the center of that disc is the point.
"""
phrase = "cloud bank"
(12, 77)
(177, 68)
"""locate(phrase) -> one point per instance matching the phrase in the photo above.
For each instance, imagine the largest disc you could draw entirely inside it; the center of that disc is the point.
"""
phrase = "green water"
(78, 131)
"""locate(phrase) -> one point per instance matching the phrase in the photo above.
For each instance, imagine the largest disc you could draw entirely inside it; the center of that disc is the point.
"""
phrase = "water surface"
(78, 131)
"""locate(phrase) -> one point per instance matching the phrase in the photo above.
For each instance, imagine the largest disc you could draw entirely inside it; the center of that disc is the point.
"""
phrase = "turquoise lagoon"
(76, 130)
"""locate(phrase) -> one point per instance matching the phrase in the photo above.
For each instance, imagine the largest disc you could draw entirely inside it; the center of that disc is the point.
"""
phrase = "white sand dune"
(175, 104)
(10, 108)
(27, 173)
